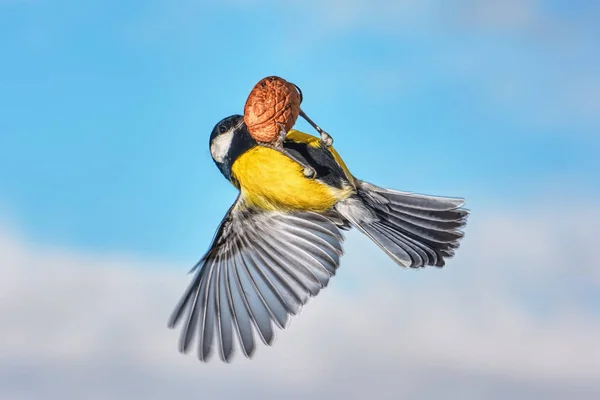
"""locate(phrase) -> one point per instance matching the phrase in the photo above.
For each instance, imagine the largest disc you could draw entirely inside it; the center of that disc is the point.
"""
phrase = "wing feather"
(261, 268)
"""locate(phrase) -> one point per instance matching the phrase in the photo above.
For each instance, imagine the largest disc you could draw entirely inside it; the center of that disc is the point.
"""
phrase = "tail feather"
(413, 229)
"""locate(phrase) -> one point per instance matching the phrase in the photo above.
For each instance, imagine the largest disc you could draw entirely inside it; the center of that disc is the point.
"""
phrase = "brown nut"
(271, 102)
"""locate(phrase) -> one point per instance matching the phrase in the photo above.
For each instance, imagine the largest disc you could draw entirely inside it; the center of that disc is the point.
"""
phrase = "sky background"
(108, 193)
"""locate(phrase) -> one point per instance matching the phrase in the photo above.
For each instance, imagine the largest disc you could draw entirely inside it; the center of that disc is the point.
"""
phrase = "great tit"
(281, 240)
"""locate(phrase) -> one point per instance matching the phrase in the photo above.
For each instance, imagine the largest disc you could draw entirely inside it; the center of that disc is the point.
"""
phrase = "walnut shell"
(273, 100)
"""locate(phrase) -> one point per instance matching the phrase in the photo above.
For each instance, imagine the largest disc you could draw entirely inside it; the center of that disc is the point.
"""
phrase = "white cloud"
(91, 326)
(524, 59)
(405, 16)
(521, 57)
(508, 14)
(530, 61)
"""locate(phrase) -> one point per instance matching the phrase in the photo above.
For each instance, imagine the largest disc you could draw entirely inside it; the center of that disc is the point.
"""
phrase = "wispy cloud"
(510, 317)
(529, 59)
(509, 15)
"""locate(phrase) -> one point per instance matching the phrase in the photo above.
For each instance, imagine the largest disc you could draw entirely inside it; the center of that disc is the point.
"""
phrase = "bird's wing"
(261, 268)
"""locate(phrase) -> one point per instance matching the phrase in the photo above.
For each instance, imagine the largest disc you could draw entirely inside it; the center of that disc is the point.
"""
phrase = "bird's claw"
(326, 139)
(309, 172)
(282, 132)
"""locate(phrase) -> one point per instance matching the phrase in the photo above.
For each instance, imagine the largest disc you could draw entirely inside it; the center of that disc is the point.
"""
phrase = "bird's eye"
(222, 128)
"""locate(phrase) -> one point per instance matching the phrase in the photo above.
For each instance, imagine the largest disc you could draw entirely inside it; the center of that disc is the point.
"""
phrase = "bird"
(281, 241)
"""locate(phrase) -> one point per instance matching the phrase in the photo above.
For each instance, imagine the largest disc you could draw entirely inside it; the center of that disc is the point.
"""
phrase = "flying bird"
(281, 240)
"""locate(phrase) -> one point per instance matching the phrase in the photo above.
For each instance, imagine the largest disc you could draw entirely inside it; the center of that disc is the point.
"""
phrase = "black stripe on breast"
(321, 159)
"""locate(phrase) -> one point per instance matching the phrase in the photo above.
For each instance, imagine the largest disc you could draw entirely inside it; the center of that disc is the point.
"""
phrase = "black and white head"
(229, 139)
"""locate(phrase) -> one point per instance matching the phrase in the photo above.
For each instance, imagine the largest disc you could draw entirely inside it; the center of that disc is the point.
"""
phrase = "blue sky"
(105, 175)
(107, 106)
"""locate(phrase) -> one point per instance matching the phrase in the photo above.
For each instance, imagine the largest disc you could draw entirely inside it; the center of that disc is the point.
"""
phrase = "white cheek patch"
(220, 146)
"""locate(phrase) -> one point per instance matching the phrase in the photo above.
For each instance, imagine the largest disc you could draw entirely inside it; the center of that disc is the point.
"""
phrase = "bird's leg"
(309, 171)
(326, 138)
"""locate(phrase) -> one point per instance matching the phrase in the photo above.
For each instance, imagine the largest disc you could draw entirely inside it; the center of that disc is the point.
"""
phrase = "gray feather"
(262, 267)
(415, 230)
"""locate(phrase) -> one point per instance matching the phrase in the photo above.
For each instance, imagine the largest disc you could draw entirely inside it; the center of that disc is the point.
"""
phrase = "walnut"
(271, 102)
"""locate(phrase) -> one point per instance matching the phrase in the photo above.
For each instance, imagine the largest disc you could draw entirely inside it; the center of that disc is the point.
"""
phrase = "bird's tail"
(414, 230)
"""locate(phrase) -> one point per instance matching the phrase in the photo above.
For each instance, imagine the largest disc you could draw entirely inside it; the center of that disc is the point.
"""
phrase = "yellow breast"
(270, 180)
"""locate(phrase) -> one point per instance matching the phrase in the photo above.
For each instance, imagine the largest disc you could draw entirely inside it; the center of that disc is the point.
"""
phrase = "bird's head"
(229, 139)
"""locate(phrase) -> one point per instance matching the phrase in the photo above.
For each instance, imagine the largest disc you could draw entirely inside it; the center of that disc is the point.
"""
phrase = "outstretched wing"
(262, 267)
